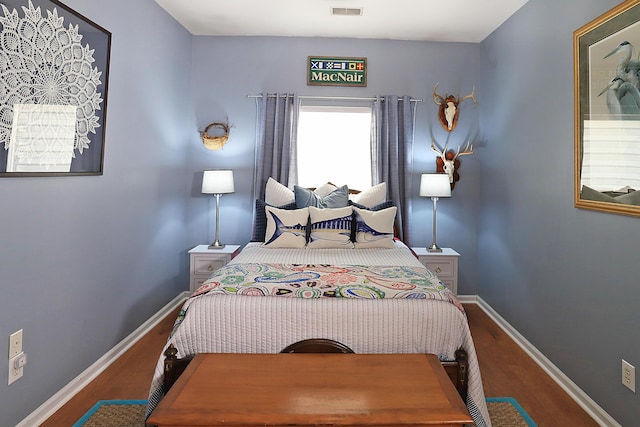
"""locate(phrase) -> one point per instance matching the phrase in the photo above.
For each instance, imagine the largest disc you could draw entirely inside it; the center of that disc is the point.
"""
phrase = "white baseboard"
(580, 397)
(58, 400)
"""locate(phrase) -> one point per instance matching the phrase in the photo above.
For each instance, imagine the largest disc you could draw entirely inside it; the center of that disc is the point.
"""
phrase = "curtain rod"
(338, 98)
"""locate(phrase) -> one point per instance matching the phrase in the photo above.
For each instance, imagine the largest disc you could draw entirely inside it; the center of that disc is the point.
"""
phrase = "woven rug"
(114, 413)
(504, 412)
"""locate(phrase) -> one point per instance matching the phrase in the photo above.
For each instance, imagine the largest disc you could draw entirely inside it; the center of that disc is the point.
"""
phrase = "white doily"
(41, 62)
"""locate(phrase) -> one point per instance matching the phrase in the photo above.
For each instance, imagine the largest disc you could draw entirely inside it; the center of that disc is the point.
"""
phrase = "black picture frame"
(598, 62)
(336, 71)
(71, 69)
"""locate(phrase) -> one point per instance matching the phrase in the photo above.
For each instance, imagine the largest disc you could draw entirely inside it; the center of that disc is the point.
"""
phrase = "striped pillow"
(277, 194)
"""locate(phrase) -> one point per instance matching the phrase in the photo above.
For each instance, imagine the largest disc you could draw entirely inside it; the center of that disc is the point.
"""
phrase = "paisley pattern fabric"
(327, 281)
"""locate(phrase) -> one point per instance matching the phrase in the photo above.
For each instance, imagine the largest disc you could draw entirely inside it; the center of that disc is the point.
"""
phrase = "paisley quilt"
(326, 281)
(323, 281)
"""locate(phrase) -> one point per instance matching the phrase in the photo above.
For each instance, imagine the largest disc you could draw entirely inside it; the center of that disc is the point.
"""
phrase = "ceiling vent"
(346, 11)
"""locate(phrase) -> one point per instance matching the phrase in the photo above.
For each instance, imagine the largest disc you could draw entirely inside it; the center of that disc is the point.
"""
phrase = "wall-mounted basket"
(218, 141)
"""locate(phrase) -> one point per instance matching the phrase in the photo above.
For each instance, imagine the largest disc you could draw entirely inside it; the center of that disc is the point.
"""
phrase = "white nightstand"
(444, 264)
(204, 261)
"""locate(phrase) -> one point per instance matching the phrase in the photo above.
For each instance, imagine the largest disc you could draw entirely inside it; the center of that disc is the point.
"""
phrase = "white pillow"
(277, 194)
(371, 196)
(330, 228)
(374, 229)
(286, 228)
(324, 190)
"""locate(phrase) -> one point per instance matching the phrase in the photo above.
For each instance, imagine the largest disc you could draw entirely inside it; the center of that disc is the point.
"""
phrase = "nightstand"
(444, 264)
(204, 261)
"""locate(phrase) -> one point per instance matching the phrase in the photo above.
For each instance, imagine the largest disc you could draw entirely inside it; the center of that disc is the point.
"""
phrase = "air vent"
(346, 11)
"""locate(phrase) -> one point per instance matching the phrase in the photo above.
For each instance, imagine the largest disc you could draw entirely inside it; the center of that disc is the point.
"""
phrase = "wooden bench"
(305, 389)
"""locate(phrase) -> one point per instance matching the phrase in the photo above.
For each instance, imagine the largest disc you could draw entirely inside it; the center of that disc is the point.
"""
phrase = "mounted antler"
(468, 149)
(448, 107)
(448, 162)
(438, 99)
(472, 95)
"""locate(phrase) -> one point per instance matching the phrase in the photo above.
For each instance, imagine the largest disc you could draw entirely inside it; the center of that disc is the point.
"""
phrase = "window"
(334, 144)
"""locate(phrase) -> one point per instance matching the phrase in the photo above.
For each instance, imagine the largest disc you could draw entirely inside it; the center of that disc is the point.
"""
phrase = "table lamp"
(217, 182)
(435, 185)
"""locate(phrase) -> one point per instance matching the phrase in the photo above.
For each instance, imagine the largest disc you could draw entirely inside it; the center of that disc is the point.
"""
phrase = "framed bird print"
(607, 112)
(54, 67)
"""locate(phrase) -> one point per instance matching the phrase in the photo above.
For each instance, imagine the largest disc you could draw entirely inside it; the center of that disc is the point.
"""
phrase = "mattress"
(231, 321)
(401, 255)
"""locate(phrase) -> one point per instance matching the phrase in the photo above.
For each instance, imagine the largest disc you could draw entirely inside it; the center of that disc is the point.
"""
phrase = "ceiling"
(452, 21)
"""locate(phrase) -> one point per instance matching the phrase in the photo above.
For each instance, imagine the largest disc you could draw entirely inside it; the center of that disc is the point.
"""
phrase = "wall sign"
(329, 71)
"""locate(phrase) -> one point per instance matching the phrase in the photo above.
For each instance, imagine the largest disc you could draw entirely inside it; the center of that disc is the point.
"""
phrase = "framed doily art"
(54, 69)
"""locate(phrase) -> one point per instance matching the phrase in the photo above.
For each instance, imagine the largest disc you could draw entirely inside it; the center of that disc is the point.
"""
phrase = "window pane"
(334, 145)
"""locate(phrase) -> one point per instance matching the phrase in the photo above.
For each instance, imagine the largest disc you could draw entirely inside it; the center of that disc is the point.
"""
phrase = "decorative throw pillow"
(371, 196)
(277, 194)
(339, 198)
(260, 219)
(383, 205)
(374, 229)
(379, 207)
(330, 228)
(324, 189)
(286, 228)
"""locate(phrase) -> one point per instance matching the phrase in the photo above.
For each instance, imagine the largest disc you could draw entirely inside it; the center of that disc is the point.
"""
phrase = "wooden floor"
(506, 372)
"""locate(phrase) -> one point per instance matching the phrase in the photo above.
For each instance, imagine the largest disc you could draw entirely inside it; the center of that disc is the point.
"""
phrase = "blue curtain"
(276, 132)
(392, 152)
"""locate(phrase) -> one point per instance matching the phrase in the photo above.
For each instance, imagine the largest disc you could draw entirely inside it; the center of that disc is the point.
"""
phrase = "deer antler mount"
(448, 107)
(448, 162)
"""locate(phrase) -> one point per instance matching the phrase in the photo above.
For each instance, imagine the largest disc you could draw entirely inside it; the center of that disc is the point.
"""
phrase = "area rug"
(504, 412)
(114, 413)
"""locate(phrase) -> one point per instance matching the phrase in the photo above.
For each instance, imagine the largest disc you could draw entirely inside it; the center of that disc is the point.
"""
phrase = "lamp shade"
(435, 185)
(217, 182)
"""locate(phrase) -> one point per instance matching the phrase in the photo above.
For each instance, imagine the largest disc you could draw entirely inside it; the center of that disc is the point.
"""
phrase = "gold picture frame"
(607, 112)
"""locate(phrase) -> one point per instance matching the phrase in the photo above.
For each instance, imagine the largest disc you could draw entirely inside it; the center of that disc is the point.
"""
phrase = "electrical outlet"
(15, 344)
(16, 367)
(628, 375)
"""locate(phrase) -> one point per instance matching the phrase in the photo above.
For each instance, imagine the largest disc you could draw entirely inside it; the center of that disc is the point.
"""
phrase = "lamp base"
(434, 248)
(216, 245)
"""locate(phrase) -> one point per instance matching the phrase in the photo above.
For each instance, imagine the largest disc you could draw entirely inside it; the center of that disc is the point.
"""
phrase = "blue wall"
(563, 277)
(86, 260)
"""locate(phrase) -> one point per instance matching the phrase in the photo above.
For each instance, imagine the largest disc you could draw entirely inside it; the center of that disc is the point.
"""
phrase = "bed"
(373, 300)
(324, 269)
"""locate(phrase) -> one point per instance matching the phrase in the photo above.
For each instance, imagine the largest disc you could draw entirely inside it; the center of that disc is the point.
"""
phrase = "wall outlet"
(15, 344)
(628, 375)
(16, 367)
